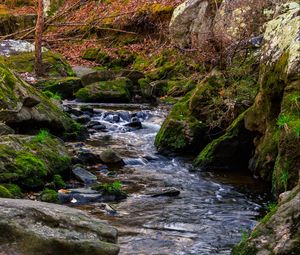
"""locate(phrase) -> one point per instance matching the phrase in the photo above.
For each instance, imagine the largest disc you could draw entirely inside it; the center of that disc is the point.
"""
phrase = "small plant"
(58, 182)
(295, 99)
(283, 120)
(42, 135)
(114, 188)
(296, 131)
(245, 235)
(49, 94)
(272, 206)
(284, 177)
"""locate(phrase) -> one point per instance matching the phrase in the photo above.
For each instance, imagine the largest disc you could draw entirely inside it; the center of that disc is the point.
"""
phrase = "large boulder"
(191, 23)
(30, 227)
(278, 232)
(115, 91)
(30, 160)
(231, 151)
(275, 113)
(24, 107)
(19, 56)
(238, 20)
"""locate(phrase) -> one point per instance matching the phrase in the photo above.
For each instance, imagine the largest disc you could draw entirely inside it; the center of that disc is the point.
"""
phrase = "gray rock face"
(191, 23)
(279, 232)
(36, 228)
(5, 130)
(84, 175)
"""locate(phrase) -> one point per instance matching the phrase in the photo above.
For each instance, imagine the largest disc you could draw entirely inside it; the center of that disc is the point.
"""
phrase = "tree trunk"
(38, 38)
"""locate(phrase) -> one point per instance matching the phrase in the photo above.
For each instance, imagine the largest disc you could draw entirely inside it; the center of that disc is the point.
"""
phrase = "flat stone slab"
(31, 227)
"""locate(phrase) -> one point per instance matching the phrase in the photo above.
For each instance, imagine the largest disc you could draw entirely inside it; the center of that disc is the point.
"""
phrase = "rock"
(81, 71)
(86, 156)
(83, 119)
(97, 76)
(20, 109)
(53, 228)
(64, 87)
(237, 20)
(134, 123)
(28, 161)
(109, 156)
(100, 127)
(116, 91)
(5, 130)
(19, 56)
(165, 192)
(191, 23)
(278, 232)
(132, 75)
(84, 175)
(278, 140)
(231, 151)
(181, 131)
(80, 196)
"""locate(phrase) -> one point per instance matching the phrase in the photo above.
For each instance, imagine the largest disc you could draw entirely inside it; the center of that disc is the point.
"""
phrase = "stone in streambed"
(84, 175)
(53, 228)
(110, 157)
(83, 119)
(134, 123)
(165, 192)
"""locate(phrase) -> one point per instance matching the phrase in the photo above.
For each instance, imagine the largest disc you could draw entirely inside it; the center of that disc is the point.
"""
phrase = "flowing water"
(209, 215)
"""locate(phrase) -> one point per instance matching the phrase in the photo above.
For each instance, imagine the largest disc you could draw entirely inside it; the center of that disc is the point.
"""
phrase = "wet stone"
(165, 192)
(84, 175)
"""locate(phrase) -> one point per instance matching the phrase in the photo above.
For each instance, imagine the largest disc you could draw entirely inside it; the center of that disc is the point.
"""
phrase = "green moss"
(107, 91)
(64, 87)
(29, 162)
(53, 64)
(58, 182)
(51, 95)
(91, 54)
(225, 151)
(49, 196)
(14, 189)
(180, 130)
(4, 192)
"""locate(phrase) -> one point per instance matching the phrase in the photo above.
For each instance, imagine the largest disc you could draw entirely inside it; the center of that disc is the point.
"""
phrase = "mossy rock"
(115, 91)
(64, 87)
(25, 108)
(90, 54)
(54, 65)
(275, 113)
(14, 189)
(181, 132)
(231, 151)
(49, 196)
(4, 192)
(267, 237)
(29, 162)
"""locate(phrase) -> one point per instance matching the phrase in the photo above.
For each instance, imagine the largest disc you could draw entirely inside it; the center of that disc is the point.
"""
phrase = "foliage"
(114, 188)
(49, 196)
(58, 182)
(49, 94)
(284, 177)
(42, 135)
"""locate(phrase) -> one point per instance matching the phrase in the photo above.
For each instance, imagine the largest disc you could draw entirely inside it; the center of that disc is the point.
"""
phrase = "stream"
(207, 218)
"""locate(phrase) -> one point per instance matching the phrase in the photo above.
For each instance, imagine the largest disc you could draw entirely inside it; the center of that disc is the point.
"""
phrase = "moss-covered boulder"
(181, 132)
(64, 87)
(208, 110)
(54, 65)
(115, 91)
(231, 151)
(23, 107)
(278, 232)
(30, 160)
(275, 113)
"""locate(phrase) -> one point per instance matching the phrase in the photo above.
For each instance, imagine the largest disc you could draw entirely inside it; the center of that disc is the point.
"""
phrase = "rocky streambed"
(169, 209)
